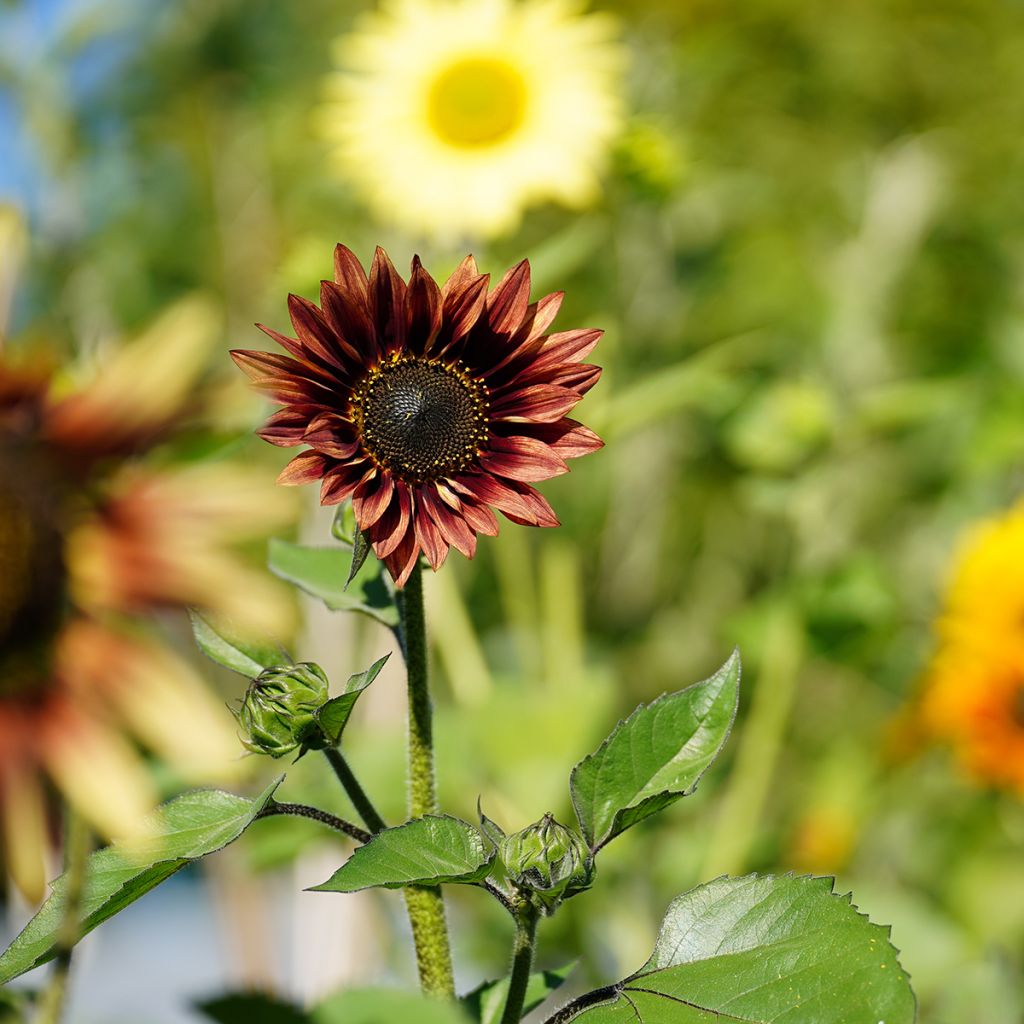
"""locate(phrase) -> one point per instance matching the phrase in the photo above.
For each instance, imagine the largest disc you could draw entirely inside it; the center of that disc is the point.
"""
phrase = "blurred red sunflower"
(427, 406)
(87, 543)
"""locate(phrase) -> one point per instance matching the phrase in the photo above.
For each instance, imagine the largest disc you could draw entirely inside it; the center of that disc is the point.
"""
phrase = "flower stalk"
(360, 801)
(425, 904)
(522, 962)
(77, 846)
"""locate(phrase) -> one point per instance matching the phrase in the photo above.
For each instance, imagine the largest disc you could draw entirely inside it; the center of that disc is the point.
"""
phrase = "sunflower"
(90, 543)
(974, 689)
(427, 406)
(489, 105)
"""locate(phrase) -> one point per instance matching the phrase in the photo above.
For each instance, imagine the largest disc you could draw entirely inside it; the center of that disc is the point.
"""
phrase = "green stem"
(522, 963)
(425, 904)
(360, 801)
(315, 814)
(77, 846)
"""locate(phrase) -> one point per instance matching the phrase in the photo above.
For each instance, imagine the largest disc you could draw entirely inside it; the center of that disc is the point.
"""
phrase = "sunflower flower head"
(497, 104)
(427, 407)
(974, 688)
(92, 544)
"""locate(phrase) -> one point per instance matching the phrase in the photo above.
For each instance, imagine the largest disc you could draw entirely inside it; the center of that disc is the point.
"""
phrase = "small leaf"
(333, 716)
(251, 1008)
(322, 572)
(343, 526)
(187, 828)
(376, 1006)
(245, 658)
(655, 756)
(360, 549)
(424, 851)
(757, 950)
(487, 1001)
(491, 829)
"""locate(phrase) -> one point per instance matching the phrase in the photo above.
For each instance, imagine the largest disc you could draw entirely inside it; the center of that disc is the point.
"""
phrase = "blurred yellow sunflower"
(453, 116)
(973, 695)
(89, 543)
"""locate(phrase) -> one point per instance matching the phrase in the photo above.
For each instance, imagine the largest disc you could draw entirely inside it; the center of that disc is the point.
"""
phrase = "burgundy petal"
(504, 496)
(461, 312)
(354, 336)
(568, 347)
(349, 275)
(342, 480)
(423, 308)
(453, 528)
(304, 469)
(387, 302)
(286, 427)
(461, 276)
(480, 518)
(507, 304)
(388, 531)
(403, 559)
(429, 538)
(567, 437)
(372, 497)
(522, 458)
(315, 333)
(543, 403)
(542, 313)
(333, 435)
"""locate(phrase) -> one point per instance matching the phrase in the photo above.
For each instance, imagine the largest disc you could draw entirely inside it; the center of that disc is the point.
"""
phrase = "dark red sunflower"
(427, 406)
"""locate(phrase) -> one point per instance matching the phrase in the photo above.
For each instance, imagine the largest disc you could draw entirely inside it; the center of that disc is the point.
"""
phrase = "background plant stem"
(360, 801)
(522, 963)
(425, 904)
(761, 741)
(77, 846)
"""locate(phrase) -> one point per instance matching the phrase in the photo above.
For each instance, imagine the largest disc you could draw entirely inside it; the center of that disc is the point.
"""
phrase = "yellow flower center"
(477, 101)
(419, 418)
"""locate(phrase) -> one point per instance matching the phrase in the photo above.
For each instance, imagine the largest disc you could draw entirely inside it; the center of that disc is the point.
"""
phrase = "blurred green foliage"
(809, 261)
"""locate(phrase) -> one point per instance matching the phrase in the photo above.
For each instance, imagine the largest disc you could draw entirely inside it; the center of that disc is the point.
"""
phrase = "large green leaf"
(424, 851)
(386, 1006)
(323, 572)
(244, 657)
(185, 829)
(486, 1002)
(655, 756)
(760, 950)
(334, 715)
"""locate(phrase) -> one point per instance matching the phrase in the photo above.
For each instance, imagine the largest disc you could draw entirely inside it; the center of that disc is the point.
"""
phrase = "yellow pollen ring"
(476, 102)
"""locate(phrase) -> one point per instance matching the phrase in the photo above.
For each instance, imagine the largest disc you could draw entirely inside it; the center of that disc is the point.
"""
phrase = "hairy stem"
(360, 801)
(425, 904)
(315, 814)
(77, 846)
(580, 1003)
(522, 963)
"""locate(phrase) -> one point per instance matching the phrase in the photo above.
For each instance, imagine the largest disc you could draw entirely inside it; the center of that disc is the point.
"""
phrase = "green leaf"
(386, 1006)
(761, 950)
(185, 829)
(251, 1008)
(424, 851)
(360, 549)
(333, 716)
(322, 572)
(487, 1001)
(245, 658)
(655, 756)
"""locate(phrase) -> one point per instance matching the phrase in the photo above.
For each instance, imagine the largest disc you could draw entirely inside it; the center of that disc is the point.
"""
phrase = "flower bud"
(547, 862)
(278, 712)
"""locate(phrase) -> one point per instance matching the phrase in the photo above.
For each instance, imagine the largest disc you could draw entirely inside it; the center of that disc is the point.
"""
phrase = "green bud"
(278, 712)
(547, 862)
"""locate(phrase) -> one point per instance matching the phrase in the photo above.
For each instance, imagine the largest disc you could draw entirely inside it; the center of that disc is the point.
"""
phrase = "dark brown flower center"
(421, 419)
(32, 575)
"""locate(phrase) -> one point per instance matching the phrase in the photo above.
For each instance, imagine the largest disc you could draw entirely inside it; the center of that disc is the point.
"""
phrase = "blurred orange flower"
(974, 689)
(89, 541)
